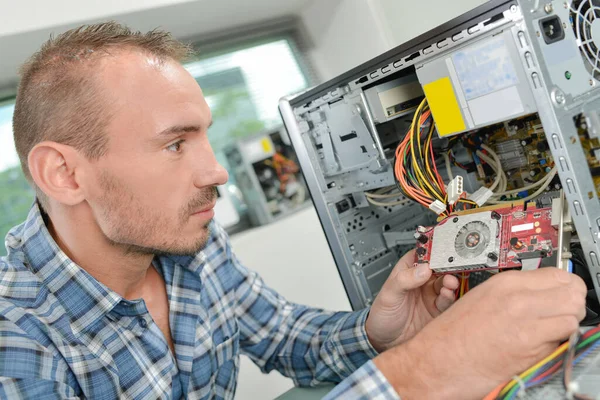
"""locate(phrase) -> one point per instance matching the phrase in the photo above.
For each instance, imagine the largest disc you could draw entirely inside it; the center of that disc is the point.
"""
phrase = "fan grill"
(472, 239)
(585, 19)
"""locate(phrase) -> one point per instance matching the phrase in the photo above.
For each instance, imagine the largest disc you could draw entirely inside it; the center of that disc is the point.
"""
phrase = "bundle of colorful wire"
(415, 167)
(563, 358)
(463, 288)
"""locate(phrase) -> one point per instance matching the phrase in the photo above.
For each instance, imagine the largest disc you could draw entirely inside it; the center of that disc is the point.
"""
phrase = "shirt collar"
(84, 299)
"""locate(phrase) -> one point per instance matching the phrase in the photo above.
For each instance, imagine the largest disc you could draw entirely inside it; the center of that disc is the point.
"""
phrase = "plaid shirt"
(63, 334)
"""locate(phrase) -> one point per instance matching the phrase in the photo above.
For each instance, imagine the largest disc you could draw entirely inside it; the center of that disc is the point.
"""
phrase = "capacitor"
(547, 169)
(421, 251)
(542, 145)
(526, 141)
(542, 162)
(422, 239)
(534, 171)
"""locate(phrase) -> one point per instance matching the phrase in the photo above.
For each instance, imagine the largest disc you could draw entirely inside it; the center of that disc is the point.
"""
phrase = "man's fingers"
(409, 279)
(542, 278)
(449, 281)
(548, 303)
(407, 261)
(554, 329)
(445, 299)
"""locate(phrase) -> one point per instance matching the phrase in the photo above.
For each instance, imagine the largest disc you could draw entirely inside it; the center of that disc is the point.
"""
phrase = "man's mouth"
(206, 208)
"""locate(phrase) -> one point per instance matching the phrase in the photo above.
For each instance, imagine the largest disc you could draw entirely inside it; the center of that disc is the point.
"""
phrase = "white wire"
(497, 169)
(503, 180)
(529, 187)
(546, 182)
(387, 204)
(380, 193)
(448, 166)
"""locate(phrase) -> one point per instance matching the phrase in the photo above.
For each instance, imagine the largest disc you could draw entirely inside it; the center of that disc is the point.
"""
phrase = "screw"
(496, 216)
(493, 256)
(455, 219)
(450, 259)
(592, 82)
(513, 8)
(537, 33)
(558, 96)
(548, 8)
(566, 5)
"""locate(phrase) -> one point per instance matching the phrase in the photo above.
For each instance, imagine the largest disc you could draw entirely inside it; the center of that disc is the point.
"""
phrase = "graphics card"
(495, 238)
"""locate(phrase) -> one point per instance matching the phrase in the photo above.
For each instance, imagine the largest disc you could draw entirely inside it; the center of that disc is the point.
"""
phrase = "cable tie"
(522, 388)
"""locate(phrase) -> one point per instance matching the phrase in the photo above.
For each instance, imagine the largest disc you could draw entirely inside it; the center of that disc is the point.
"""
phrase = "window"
(243, 85)
(243, 88)
(16, 196)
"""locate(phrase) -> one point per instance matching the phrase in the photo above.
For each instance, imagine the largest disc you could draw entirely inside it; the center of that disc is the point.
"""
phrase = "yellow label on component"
(266, 145)
(444, 106)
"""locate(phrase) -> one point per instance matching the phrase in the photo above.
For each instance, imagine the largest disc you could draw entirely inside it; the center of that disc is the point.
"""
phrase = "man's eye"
(175, 147)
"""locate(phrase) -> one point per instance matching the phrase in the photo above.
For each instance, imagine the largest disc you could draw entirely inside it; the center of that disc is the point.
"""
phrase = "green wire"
(592, 338)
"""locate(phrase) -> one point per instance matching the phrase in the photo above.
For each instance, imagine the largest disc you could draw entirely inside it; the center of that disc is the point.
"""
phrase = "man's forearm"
(409, 370)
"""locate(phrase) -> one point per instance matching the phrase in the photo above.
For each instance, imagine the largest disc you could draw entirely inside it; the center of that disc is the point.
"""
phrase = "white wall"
(293, 257)
(28, 15)
(346, 33)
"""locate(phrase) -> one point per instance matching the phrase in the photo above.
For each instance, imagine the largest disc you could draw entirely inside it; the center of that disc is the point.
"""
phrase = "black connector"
(552, 29)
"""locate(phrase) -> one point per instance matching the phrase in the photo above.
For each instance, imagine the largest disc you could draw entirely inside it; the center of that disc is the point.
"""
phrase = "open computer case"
(477, 142)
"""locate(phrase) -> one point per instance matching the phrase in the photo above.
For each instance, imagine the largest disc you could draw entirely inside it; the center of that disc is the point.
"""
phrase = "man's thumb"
(412, 278)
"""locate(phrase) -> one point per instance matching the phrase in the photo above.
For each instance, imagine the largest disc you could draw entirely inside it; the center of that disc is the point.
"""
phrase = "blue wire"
(577, 360)
(570, 267)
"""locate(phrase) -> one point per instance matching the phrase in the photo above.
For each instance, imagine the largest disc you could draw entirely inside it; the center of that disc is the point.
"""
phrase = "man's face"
(154, 190)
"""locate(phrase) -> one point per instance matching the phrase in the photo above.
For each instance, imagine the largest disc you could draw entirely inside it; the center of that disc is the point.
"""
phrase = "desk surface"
(316, 393)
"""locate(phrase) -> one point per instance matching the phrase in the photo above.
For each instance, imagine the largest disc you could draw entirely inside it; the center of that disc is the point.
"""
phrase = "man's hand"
(497, 330)
(408, 300)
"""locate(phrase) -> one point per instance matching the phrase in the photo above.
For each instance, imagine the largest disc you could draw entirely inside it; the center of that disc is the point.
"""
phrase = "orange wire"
(494, 393)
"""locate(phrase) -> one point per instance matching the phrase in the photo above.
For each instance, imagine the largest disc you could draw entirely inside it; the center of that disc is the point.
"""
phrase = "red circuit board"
(525, 233)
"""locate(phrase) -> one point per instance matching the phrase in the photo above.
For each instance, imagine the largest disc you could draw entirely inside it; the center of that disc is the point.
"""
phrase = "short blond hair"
(58, 98)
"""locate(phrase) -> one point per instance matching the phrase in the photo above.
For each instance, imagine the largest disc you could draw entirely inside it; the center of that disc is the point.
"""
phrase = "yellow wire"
(418, 172)
(556, 353)
(427, 165)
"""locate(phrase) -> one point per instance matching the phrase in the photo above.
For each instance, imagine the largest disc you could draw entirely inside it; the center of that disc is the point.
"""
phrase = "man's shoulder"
(19, 286)
(26, 307)
(24, 303)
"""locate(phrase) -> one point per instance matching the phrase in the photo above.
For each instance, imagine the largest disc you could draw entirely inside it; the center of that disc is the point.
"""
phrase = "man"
(118, 285)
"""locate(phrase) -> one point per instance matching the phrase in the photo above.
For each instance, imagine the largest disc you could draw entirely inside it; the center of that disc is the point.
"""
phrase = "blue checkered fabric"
(63, 334)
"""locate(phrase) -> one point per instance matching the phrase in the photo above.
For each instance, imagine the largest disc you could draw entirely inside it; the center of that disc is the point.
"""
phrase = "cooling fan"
(466, 242)
(585, 20)
(472, 239)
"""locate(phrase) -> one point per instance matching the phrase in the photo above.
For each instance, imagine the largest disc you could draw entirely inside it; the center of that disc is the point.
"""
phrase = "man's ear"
(53, 168)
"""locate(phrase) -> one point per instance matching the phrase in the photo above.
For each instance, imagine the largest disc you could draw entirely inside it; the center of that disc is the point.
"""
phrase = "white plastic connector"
(455, 189)
(480, 196)
(437, 207)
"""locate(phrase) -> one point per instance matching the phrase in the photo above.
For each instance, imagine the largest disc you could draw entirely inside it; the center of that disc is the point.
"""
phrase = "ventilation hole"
(360, 224)
(377, 216)
(361, 218)
(353, 226)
